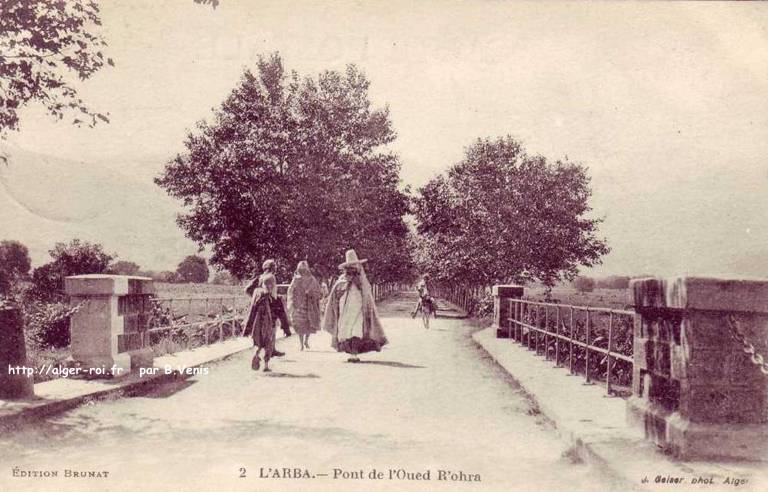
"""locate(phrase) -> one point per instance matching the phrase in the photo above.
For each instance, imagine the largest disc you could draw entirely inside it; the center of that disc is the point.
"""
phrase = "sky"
(665, 103)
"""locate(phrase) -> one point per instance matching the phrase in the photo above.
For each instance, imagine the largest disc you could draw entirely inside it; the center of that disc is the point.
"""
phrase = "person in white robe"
(350, 313)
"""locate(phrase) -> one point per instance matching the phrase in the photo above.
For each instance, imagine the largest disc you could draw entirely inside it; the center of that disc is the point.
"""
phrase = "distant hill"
(45, 199)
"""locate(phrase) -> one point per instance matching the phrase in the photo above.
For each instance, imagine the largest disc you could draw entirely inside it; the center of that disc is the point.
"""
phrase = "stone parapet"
(108, 330)
(112, 285)
(695, 391)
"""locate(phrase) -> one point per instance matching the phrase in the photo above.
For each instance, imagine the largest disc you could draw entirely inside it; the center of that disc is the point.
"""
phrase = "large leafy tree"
(502, 215)
(192, 269)
(293, 169)
(44, 44)
(74, 258)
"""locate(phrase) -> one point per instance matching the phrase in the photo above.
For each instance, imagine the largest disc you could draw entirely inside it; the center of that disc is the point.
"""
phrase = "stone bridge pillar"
(15, 381)
(108, 331)
(501, 312)
(695, 391)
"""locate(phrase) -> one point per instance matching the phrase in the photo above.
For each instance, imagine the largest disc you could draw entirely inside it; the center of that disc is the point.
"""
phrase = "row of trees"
(40, 292)
(192, 269)
(77, 257)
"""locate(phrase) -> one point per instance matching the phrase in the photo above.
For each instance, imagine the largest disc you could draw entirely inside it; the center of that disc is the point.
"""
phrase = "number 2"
(242, 472)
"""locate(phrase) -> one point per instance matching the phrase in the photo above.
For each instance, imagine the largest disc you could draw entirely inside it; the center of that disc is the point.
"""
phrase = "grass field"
(164, 289)
(608, 298)
(194, 302)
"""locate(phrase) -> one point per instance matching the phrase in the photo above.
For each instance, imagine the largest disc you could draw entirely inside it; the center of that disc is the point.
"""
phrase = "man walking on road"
(268, 281)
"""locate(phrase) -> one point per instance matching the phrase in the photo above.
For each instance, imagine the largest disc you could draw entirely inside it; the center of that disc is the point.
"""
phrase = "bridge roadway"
(431, 400)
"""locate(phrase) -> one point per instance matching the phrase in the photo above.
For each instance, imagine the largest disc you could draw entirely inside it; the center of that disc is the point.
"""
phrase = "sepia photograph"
(351, 245)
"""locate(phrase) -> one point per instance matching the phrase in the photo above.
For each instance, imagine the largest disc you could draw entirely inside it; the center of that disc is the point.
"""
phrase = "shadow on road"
(391, 364)
(287, 375)
(169, 389)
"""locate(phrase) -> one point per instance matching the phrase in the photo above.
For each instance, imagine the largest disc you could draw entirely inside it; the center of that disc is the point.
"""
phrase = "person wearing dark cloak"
(261, 318)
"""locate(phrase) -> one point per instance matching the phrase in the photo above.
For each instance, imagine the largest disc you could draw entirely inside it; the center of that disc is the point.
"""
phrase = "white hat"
(352, 259)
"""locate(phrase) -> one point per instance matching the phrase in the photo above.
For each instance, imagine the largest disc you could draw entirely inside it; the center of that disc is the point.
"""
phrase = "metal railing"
(592, 341)
(183, 323)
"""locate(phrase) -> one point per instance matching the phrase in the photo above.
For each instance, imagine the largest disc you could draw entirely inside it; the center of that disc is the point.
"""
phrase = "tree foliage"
(165, 276)
(41, 43)
(46, 324)
(224, 278)
(293, 169)
(14, 264)
(501, 215)
(74, 258)
(192, 269)
(123, 267)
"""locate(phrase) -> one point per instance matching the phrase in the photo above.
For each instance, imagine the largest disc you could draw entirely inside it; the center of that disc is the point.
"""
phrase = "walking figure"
(261, 316)
(304, 296)
(350, 314)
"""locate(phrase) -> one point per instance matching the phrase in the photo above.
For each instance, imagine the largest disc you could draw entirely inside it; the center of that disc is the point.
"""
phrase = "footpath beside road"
(65, 393)
(596, 426)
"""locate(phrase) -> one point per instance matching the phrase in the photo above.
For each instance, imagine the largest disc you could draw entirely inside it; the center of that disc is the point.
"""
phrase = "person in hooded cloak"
(304, 296)
(350, 314)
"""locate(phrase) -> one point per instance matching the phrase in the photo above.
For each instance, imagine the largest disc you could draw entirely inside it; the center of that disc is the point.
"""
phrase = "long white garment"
(351, 314)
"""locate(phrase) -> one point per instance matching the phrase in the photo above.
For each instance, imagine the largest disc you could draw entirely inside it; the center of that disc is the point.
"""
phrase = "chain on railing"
(737, 334)
(591, 346)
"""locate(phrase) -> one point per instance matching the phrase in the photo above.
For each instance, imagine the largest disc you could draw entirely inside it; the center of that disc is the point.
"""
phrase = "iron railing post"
(557, 339)
(609, 359)
(546, 333)
(570, 344)
(586, 350)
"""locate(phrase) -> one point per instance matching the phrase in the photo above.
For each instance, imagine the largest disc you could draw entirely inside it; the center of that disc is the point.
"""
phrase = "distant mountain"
(45, 199)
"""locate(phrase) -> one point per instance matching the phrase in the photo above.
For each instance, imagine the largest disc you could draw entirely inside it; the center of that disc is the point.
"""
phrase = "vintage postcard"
(442, 245)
